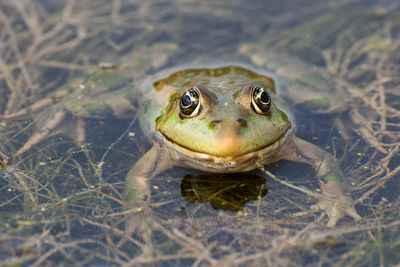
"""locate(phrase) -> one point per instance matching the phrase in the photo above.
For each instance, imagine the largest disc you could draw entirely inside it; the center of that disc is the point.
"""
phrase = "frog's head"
(223, 112)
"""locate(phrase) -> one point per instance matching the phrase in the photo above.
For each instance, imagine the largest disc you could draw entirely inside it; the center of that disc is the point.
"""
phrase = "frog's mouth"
(229, 158)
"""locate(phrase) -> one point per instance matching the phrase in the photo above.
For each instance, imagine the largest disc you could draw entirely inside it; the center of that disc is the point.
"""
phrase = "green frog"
(222, 119)
(227, 119)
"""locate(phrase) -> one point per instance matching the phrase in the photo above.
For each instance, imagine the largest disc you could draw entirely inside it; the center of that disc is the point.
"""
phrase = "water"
(62, 204)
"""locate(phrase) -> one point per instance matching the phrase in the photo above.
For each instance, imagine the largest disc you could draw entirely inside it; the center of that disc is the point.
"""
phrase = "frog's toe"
(336, 203)
(337, 208)
(138, 227)
(138, 223)
(334, 215)
(37, 106)
(80, 131)
(43, 131)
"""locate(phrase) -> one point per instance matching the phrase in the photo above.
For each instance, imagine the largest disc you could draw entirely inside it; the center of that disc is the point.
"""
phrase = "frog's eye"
(260, 100)
(190, 103)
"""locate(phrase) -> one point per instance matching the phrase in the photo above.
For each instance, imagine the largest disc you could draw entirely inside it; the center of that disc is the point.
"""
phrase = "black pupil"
(264, 97)
(186, 100)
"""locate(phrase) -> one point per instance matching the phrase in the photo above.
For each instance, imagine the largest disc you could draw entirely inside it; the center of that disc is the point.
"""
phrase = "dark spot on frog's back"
(158, 85)
(110, 80)
(146, 105)
(322, 103)
(98, 109)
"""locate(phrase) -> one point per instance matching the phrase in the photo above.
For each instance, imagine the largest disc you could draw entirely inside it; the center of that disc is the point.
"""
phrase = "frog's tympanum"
(223, 120)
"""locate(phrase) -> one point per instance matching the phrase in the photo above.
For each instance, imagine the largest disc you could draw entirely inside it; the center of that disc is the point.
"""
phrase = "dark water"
(61, 204)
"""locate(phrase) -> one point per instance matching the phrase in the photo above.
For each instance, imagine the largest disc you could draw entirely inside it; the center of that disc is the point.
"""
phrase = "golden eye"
(260, 100)
(190, 103)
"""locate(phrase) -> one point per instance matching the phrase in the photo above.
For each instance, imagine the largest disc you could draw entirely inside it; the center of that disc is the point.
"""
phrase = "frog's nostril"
(220, 124)
(242, 122)
(214, 123)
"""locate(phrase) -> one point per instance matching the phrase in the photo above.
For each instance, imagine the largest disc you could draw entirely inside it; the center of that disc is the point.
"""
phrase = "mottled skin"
(226, 134)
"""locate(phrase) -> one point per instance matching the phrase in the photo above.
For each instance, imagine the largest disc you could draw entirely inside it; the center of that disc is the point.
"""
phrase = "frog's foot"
(336, 204)
(102, 95)
(37, 106)
(43, 132)
(139, 224)
(139, 221)
(47, 125)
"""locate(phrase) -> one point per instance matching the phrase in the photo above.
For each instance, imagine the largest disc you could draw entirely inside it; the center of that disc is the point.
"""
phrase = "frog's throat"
(244, 162)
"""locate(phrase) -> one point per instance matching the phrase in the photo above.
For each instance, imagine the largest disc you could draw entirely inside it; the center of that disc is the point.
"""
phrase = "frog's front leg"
(337, 200)
(137, 187)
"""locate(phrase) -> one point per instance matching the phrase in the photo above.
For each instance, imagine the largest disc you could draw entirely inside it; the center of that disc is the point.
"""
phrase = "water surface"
(63, 205)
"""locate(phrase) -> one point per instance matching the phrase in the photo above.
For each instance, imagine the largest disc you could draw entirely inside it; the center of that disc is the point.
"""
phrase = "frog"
(223, 118)
(228, 119)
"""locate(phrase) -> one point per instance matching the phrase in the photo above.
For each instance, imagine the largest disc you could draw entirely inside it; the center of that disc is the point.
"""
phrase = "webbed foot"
(139, 221)
(336, 204)
(139, 224)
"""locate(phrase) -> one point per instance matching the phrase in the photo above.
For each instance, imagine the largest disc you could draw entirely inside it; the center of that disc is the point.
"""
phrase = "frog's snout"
(229, 138)
(219, 124)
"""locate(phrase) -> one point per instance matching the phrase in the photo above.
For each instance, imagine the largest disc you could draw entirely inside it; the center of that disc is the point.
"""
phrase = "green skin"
(226, 136)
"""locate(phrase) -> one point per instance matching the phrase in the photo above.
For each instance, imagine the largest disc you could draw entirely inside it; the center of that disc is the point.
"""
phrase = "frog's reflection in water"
(223, 191)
